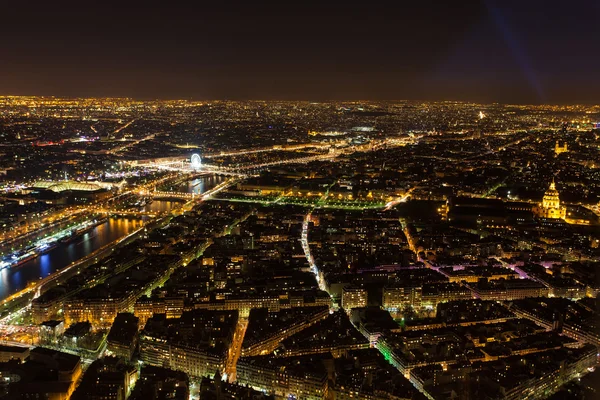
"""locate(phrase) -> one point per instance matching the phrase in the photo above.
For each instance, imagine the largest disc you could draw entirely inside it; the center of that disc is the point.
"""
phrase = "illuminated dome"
(550, 207)
(196, 162)
(551, 197)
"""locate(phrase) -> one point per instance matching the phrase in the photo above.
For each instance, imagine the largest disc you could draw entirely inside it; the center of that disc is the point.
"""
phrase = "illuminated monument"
(550, 207)
(558, 149)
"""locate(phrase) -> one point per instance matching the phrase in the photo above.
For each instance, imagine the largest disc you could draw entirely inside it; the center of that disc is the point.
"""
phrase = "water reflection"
(44, 265)
(199, 185)
(161, 205)
(15, 279)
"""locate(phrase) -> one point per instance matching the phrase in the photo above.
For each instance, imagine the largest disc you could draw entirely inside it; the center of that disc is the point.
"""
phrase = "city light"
(405, 242)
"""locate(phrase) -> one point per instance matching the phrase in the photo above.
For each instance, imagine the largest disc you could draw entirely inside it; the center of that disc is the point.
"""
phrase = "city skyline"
(196, 204)
(407, 249)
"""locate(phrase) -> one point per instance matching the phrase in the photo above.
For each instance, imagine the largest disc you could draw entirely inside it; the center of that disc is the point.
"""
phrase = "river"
(17, 278)
(198, 185)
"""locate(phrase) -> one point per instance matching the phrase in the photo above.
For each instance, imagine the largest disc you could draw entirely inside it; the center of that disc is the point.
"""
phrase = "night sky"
(525, 51)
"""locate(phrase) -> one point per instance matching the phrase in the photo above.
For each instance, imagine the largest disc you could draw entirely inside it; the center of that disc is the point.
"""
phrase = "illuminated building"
(107, 379)
(45, 307)
(155, 380)
(474, 274)
(510, 289)
(487, 212)
(372, 322)
(336, 350)
(173, 307)
(180, 357)
(571, 368)
(62, 186)
(428, 295)
(545, 373)
(8, 353)
(333, 336)
(550, 207)
(174, 343)
(61, 192)
(303, 377)
(397, 298)
(566, 316)
(98, 311)
(143, 309)
(122, 338)
(50, 331)
(433, 294)
(353, 297)
(327, 133)
(100, 304)
(146, 307)
(266, 342)
(558, 149)
(217, 388)
(274, 302)
(56, 380)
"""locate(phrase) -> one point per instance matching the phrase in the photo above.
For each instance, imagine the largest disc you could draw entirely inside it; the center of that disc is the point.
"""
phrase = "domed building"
(550, 207)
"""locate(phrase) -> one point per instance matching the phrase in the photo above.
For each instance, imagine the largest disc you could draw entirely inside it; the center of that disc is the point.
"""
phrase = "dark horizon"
(485, 52)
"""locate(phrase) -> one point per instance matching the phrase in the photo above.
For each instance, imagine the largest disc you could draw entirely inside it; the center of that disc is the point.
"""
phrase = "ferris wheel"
(196, 162)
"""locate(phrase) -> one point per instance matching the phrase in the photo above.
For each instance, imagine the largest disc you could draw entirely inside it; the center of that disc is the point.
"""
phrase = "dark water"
(17, 278)
(200, 185)
(161, 205)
